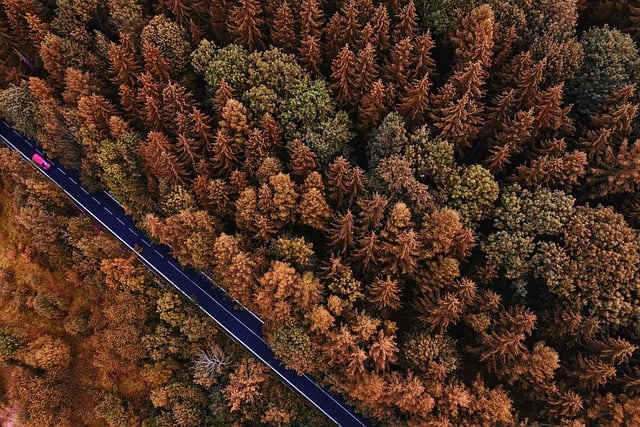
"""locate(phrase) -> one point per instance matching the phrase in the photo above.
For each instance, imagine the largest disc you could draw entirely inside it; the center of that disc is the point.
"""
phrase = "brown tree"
(283, 34)
(245, 23)
(414, 104)
(157, 154)
(342, 74)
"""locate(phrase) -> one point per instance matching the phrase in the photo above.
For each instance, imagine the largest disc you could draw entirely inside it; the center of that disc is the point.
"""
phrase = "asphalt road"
(240, 324)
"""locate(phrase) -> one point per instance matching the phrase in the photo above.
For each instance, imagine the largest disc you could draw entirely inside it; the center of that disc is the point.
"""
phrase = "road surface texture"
(240, 324)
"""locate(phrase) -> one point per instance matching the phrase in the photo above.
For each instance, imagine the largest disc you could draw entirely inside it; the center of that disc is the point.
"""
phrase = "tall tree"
(342, 74)
(244, 25)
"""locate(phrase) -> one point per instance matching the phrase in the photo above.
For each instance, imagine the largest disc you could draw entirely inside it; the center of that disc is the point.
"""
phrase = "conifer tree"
(341, 233)
(303, 160)
(235, 123)
(311, 19)
(282, 32)
(350, 30)
(512, 140)
(313, 209)
(155, 63)
(423, 63)
(386, 293)
(342, 74)
(414, 104)
(407, 26)
(158, 156)
(396, 69)
(225, 155)
(123, 64)
(371, 107)
(366, 71)
(310, 53)
(245, 23)
(223, 93)
(474, 37)
(460, 122)
(380, 28)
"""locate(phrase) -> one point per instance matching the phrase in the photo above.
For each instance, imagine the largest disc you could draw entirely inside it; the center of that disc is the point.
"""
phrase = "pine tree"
(397, 68)
(460, 123)
(474, 37)
(176, 101)
(341, 233)
(343, 182)
(512, 140)
(407, 26)
(342, 74)
(367, 250)
(617, 112)
(244, 24)
(201, 126)
(225, 156)
(130, 104)
(311, 19)
(310, 53)
(350, 30)
(271, 130)
(423, 63)
(386, 293)
(371, 107)
(189, 151)
(380, 28)
(283, 33)
(158, 156)
(383, 350)
(180, 9)
(365, 70)
(372, 212)
(257, 149)
(155, 63)
(414, 104)
(550, 116)
(223, 93)
(123, 65)
(402, 254)
(562, 172)
(616, 173)
(528, 81)
(96, 111)
(303, 160)
(592, 372)
(313, 209)
(235, 123)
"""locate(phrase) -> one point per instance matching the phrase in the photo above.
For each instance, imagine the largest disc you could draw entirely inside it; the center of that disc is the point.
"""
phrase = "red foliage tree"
(342, 74)
(283, 34)
(244, 24)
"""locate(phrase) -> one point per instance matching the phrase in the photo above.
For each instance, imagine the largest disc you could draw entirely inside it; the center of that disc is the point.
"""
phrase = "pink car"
(40, 161)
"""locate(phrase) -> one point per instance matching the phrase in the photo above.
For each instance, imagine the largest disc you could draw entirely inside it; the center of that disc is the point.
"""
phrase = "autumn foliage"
(432, 204)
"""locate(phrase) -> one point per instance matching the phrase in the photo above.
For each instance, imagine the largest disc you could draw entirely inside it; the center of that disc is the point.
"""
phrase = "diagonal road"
(240, 324)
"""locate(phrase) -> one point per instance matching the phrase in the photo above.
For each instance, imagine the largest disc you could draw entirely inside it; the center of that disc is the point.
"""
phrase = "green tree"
(610, 61)
(170, 39)
(293, 346)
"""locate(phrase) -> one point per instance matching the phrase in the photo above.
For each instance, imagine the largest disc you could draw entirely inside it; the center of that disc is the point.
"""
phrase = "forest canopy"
(433, 205)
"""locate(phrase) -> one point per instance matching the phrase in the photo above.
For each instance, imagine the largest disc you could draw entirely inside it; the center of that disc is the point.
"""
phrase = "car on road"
(40, 161)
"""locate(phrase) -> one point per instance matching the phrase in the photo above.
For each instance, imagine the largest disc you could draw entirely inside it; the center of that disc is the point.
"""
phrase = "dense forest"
(433, 204)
